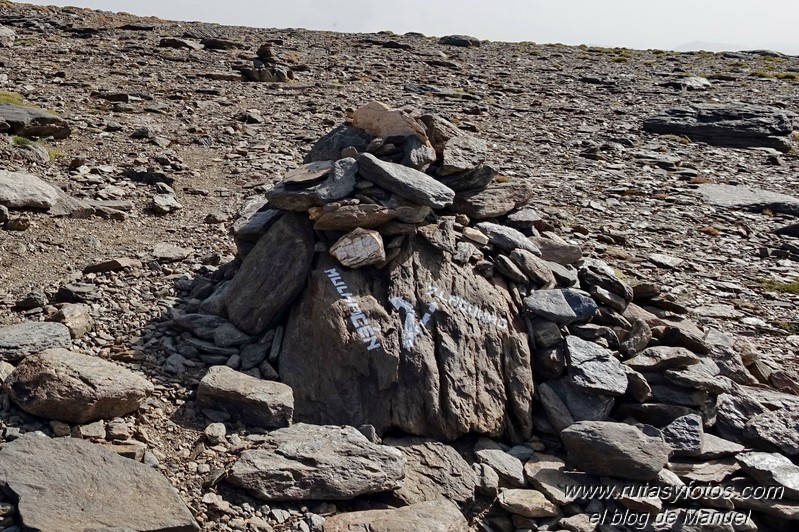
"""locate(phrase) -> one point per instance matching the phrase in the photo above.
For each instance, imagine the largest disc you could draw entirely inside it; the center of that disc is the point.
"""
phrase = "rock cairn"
(398, 283)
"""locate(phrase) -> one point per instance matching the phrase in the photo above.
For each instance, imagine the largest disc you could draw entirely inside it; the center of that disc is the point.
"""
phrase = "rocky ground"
(164, 135)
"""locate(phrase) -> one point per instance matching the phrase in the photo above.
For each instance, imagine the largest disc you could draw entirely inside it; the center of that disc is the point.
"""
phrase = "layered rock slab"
(423, 345)
(432, 516)
(71, 484)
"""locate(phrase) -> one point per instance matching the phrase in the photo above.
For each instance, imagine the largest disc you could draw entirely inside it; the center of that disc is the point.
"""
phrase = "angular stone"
(509, 270)
(527, 503)
(614, 449)
(165, 203)
(308, 174)
(477, 178)
(498, 199)
(339, 184)
(534, 268)
(113, 265)
(70, 484)
(735, 125)
(509, 468)
(32, 122)
(20, 340)
(779, 429)
(359, 248)
(733, 412)
(462, 153)
(594, 368)
(561, 306)
(7, 37)
(715, 447)
(312, 462)
(771, 469)
(686, 435)
(348, 217)
(638, 337)
(661, 358)
(165, 252)
(75, 388)
(77, 318)
(464, 41)
(714, 471)
(418, 154)
(19, 190)
(263, 289)
(330, 146)
(434, 470)
(379, 120)
(259, 403)
(433, 516)
(506, 238)
(556, 251)
(227, 335)
(405, 182)
(748, 198)
(583, 405)
(555, 409)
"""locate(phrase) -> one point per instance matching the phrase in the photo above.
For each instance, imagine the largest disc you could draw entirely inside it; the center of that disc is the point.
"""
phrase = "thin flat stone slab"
(405, 182)
(318, 462)
(661, 358)
(19, 190)
(772, 469)
(71, 484)
(778, 429)
(495, 200)
(32, 122)
(308, 174)
(614, 449)
(260, 403)
(20, 340)
(547, 474)
(737, 125)
(709, 471)
(507, 238)
(432, 516)
(561, 306)
(748, 199)
(527, 503)
(594, 368)
(75, 388)
(379, 120)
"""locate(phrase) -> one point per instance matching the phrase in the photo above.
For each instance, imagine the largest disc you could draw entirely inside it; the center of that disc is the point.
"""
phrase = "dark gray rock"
(75, 388)
(685, 435)
(339, 184)
(562, 306)
(582, 405)
(496, 200)
(461, 154)
(405, 182)
(736, 125)
(733, 412)
(615, 450)
(509, 468)
(423, 345)
(749, 199)
(432, 516)
(464, 41)
(259, 403)
(329, 147)
(19, 341)
(433, 470)
(661, 358)
(507, 238)
(474, 179)
(71, 484)
(593, 368)
(689, 83)
(31, 122)
(264, 288)
(311, 462)
(778, 429)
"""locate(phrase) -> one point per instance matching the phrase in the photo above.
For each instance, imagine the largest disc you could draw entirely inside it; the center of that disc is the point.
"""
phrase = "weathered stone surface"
(689, 83)
(506, 238)
(77, 318)
(19, 341)
(348, 217)
(708, 471)
(433, 470)
(593, 368)
(476, 178)
(75, 388)
(748, 198)
(735, 125)
(257, 402)
(264, 287)
(686, 435)
(463, 368)
(556, 251)
(19, 190)
(70, 484)
(112, 265)
(31, 122)
(582, 404)
(433, 516)
(496, 200)
(329, 147)
(661, 358)
(379, 120)
(166, 252)
(527, 503)
(779, 429)
(405, 182)
(715, 447)
(534, 268)
(638, 337)
(464, 41)
(509, 468)
(614, 449)
(546, 473)
(304, 462)
(359, 248)
(339, 184)
(7, 37)
(771, 469)
(561, 306)
(462, 153)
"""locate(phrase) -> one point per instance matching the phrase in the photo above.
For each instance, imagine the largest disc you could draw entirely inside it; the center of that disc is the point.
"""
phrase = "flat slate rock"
(495, 200)
(32, 122)
(20, 340)
(748, 199)
(562, 306)
(75, 388)
(432, 516)
(257, 402)
(318, 462)
(615, 449)
(737, 125)
(594, 368)
(772, 469)
(19, 190)
(405, 182)
(71, 484)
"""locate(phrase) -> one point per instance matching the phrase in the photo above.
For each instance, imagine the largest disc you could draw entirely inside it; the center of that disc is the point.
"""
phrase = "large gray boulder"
(33, 122)
(71, 484)
(748, 198)
(257, 402)
(20, 340)
(75, 388)
(614, 449)
(318, 462)
(423, 345)
(405, 182)
(432, 516)
(736, 125)
(19, 190)
(272, 275)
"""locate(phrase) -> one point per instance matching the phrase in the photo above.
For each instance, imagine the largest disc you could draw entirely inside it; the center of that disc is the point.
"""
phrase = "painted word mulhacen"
(357, 317)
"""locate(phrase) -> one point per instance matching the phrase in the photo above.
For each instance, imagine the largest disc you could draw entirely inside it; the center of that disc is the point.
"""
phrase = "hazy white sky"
(665, 24)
